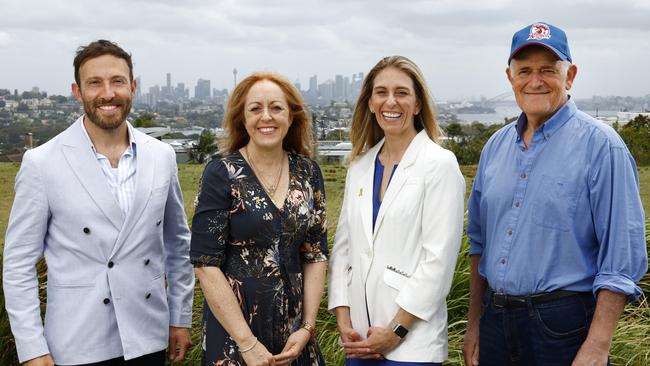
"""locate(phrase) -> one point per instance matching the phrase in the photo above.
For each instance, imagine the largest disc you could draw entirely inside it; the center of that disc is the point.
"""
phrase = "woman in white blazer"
(400, 226)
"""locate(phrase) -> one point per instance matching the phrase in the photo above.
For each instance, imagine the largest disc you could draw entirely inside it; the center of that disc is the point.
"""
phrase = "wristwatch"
(398, 329)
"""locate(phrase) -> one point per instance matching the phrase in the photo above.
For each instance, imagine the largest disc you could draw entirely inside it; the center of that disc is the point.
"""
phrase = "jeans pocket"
(564, 318)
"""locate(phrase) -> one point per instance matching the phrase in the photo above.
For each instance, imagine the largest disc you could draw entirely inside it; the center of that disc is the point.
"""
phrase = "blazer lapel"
(399, 177)
(364, 194)
(143, 185)
(365, 189)
(79, 154)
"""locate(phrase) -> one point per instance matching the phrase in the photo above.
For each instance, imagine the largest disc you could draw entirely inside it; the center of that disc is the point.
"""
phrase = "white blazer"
(409, 259)
(64, 210)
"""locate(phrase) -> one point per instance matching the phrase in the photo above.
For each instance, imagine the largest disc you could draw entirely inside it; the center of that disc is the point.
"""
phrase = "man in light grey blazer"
(101, 201)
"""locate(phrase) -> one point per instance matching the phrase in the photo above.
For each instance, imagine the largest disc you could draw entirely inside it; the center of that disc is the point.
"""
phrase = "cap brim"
(557, 53)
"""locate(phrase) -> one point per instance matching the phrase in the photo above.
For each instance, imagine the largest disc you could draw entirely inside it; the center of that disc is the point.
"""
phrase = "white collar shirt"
(121, 180)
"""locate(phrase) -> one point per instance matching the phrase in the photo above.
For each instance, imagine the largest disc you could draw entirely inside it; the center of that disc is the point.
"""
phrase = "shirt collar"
(131, 150)
(553, 124)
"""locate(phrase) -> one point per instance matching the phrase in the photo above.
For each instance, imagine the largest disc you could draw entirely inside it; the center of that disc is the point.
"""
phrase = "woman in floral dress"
(259, 241)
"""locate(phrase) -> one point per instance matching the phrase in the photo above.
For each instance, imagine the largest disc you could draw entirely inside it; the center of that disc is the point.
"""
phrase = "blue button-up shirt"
(563, 213)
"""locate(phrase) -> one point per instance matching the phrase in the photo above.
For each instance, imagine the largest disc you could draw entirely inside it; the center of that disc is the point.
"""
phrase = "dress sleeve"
(314, 249)
(211, 216)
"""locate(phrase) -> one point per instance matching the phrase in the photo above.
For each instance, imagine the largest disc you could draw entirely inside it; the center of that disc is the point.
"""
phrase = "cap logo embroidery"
(539, 31)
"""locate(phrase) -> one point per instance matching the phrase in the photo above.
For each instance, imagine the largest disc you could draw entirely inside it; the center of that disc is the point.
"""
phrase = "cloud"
(5, 39)
(461, 46)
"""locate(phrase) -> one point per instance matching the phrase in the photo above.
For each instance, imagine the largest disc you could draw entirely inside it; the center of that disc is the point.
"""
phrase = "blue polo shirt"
(563, 213)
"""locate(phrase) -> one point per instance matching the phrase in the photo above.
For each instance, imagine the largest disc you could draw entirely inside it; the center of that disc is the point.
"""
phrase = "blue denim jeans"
(358, 362)
(544, 334)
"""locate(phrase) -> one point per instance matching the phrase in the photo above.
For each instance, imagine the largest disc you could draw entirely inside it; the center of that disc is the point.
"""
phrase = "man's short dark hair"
(96, 49)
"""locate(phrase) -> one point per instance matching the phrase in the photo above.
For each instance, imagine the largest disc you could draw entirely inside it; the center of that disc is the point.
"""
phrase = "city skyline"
(461, 47)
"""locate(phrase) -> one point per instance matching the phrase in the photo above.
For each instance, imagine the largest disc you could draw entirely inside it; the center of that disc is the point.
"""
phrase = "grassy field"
(631, 343)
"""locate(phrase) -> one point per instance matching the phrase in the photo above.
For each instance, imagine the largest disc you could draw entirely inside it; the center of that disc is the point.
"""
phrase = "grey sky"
(462, 46)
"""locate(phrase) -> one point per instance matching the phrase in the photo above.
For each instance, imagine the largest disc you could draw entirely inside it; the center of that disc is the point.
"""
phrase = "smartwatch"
(398, 329)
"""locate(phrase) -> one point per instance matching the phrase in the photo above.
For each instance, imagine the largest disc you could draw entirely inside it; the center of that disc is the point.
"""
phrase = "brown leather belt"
(510, 301)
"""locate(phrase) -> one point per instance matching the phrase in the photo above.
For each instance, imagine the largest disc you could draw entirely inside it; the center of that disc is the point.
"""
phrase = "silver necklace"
(268, 188)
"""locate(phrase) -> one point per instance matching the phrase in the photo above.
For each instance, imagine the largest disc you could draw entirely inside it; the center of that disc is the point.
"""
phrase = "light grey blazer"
(115, 283)
(408, 260)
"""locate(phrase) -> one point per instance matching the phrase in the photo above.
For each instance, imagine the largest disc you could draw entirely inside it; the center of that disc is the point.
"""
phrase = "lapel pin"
(360, 192)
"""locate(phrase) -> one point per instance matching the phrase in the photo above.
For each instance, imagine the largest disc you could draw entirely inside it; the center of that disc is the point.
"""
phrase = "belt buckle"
(499, 300)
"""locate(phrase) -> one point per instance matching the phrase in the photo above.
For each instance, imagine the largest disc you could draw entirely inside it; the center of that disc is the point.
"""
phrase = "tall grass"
(7, 345)
(631, 344)
(8, 355)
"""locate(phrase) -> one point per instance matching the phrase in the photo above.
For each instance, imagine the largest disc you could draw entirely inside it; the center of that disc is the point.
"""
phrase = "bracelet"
(309, 327)
(248, 348)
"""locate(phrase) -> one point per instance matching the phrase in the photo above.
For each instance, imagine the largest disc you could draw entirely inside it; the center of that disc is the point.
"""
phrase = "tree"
(454, 129)
(636, 135)
(468, 150)
(205, 147)
(145, 120)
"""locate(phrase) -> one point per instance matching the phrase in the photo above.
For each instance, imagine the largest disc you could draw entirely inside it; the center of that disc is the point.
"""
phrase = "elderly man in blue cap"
(556, 225)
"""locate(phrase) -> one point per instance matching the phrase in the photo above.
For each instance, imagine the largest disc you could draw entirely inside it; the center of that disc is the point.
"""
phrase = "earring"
(372, 112)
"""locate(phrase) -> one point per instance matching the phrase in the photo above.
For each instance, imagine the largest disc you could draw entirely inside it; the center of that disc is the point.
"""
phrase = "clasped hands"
(379, 340)
(260, 356)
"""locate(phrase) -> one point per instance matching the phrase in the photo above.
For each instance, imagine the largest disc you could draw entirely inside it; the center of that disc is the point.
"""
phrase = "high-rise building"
(138, 87)
(167, 91)
(355, 86)
(154, 95)
(326, 91)
(202, 89)
(339, 88)
(311, 96)
(313, 85)
(181, 92)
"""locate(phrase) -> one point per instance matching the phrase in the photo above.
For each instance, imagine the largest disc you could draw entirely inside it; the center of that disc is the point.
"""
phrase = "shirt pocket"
(555, 206)
(395, 278)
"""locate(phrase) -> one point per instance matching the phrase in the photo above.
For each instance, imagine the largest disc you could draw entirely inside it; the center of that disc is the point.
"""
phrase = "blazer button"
(107, 301)
(158, 223)
(146, 262)
(148, 295)
(110, 264)
(86, 230)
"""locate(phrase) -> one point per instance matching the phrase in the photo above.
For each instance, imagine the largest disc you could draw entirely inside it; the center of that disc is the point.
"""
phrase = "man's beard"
(107, 123)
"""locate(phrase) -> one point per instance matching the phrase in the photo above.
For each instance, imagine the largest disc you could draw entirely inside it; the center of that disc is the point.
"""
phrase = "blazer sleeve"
(339, 261)
(24, 245)
(176, 236)
(442, 226)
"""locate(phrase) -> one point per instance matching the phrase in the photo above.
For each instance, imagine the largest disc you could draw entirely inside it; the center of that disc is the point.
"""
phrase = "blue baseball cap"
(542, 34)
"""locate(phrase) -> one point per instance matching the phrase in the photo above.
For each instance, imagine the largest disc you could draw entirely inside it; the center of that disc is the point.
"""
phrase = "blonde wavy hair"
(365, 131)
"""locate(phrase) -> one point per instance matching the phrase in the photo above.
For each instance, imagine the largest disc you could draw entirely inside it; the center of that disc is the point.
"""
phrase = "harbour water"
(503, 112)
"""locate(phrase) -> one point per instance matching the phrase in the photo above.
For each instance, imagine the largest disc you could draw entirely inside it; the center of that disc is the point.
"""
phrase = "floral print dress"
(261, 250)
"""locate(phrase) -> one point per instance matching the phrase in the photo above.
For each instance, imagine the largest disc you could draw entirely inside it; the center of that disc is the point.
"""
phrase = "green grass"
(7, 174)
(630, 345)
